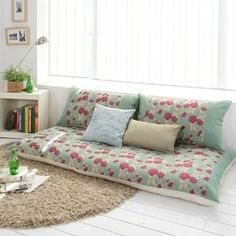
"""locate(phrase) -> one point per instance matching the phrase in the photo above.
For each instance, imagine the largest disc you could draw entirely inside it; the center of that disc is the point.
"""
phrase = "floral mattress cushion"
(190, 170)
(80, 105)
(201, 120)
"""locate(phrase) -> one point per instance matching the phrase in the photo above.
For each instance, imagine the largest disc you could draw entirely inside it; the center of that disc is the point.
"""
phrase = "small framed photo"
(19, 10)
(17, 36)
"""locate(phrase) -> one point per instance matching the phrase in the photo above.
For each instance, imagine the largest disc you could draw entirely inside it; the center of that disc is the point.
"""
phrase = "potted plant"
(15, 79)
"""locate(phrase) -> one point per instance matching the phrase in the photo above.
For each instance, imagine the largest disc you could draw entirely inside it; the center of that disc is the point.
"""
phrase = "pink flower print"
(194, 104)
(85, 112)
(192, 191)
(199, 122)
(159, 186)
(131, 155)
(170, 184)
(184, 176)
(168, 116)
(81, 110)
(139, 179)
(33, 144)
(146, 113)
(208, 171)
(187, 164)
(85, 97)
(183, 114)
(186, 105)
(178, 106)
(36, 147)
(111, 173)
(160, 174)
(74, 155)
(52, 149)
(203, 192)
(82, 145)
(203, 108)
(173, 171)
(150, 116)
(98, 99)
(152, 172)
(206, 179)
(79, 158)
(157, 161)
(169, 102)
(57, 152)
(174, 118)
(104, 99)
(192, 180)
(130, 169)
(192, 119)
(103, 163)
(97, 161)
(124, 165)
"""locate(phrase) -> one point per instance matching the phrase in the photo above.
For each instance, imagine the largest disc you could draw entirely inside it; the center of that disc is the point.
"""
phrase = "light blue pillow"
(107, 125)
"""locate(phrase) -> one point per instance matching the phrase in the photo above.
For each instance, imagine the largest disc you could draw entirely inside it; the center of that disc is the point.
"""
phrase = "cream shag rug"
(65, 197)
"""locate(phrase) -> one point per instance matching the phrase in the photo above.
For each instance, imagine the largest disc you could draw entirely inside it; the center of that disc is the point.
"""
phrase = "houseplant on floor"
(15, 79)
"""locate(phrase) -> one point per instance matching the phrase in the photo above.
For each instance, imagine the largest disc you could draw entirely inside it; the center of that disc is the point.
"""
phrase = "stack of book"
(24, 182)
(27, 118)
(16, 183)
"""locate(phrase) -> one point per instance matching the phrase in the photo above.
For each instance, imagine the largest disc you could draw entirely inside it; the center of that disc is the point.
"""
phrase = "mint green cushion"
(81, 103)
(107, 125)
(202, 120)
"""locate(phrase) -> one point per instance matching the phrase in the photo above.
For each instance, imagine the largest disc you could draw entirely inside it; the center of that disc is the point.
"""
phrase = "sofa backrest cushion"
(80, 105)
(201, 120)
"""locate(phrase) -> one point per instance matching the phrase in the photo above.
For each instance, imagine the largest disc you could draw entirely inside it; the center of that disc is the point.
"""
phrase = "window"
(171, 42)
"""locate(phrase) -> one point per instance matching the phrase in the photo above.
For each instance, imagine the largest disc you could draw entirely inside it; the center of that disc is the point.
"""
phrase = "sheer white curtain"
(173, 42)
(69, 38)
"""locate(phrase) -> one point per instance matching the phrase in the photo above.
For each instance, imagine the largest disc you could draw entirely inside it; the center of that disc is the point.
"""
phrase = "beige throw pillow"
(152, 136)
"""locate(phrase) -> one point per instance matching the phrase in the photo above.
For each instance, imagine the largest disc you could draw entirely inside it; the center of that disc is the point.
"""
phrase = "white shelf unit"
(10, 101)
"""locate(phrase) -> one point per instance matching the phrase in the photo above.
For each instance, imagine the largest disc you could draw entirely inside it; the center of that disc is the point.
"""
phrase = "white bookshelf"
(10, 101)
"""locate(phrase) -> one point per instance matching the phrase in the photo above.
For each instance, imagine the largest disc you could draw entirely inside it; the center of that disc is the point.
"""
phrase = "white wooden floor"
(150, 214)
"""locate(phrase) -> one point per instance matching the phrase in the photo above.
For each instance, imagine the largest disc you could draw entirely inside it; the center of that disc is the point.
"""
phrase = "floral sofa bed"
(192, 171)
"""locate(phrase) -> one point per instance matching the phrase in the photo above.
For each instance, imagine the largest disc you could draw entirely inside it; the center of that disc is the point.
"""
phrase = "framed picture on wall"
(19, 10)
(17, 36)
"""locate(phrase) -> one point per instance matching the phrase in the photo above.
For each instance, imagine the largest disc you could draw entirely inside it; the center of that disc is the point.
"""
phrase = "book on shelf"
(27, 118)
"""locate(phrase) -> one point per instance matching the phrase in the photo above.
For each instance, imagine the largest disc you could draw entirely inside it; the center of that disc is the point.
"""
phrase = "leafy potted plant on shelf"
(16, 79)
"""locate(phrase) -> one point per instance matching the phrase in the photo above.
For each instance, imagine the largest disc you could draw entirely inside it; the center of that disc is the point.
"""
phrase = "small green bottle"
(13, 164)
(29, 85)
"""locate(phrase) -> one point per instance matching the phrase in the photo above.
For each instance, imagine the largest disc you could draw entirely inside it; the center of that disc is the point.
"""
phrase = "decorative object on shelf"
(17, 36)
(19, 10)
(13, 164)
(29, 86)
(15, 79)
(11, 120)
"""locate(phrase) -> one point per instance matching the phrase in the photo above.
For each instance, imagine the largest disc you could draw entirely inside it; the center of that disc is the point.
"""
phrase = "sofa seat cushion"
(190, 173)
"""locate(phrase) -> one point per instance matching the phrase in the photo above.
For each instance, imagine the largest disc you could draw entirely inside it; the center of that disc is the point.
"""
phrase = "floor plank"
(121, 227)
(5, 232)
(154, 223)
(84, 229)
(221, 229)
(43, 231)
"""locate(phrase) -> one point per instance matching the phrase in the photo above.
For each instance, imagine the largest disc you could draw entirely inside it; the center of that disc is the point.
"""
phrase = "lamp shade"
(41, 40)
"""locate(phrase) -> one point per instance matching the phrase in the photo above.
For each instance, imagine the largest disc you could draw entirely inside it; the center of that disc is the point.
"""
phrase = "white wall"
(11, 55)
